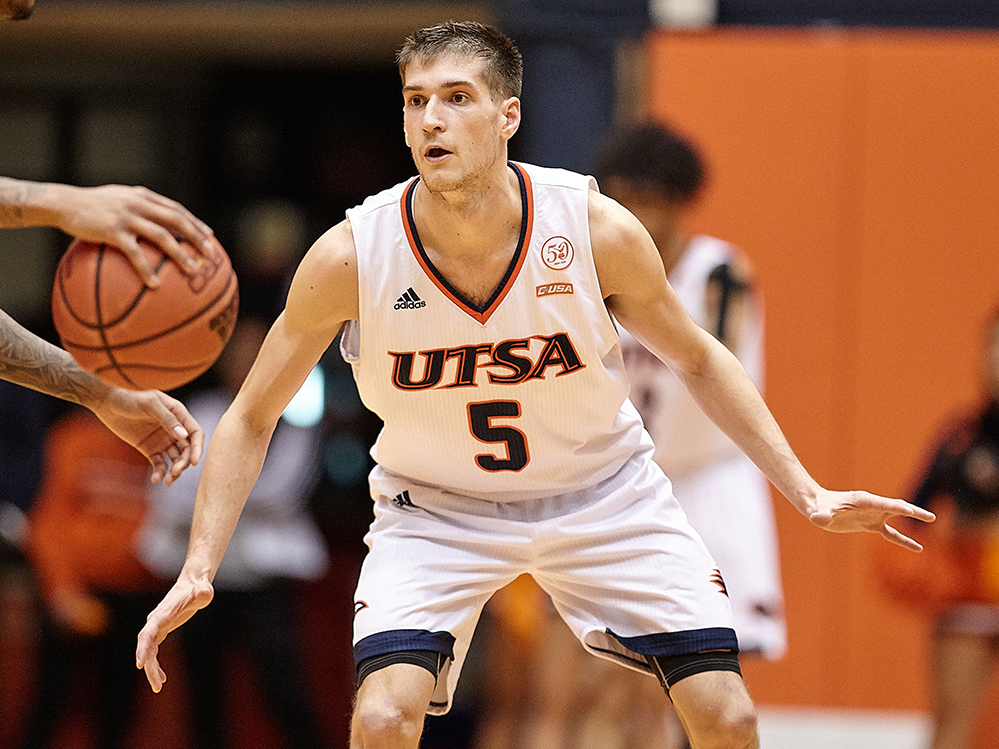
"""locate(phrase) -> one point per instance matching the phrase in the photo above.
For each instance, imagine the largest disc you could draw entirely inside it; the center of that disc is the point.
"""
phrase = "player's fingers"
(179, 461)
(160, 466)
(188, 428)
(155, 675)
(174, 219)
(172, 414)
(166, 240)
(131, 249)
(921, 514)
(146, 650)
(902, 540)
(197, 438)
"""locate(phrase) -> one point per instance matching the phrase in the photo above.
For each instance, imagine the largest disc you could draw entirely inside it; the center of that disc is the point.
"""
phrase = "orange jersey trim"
(516, 263)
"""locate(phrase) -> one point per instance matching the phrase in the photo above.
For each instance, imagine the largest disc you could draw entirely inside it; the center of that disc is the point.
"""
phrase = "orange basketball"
(136, 337)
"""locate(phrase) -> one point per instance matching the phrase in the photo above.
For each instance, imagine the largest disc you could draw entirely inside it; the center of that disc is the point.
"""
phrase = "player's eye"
(459, 98)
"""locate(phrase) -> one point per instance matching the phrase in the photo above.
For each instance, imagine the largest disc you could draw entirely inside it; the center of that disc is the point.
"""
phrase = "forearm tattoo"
(14, 196)
(28, 360)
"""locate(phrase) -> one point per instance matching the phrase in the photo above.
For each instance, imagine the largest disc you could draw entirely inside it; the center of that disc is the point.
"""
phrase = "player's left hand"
(158, 426)
(856, 511)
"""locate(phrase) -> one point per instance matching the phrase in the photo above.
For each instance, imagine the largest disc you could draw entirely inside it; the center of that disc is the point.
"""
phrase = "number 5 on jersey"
(480, 420)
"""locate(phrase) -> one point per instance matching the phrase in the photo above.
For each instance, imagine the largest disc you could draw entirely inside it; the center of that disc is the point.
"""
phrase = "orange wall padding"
(860, 171)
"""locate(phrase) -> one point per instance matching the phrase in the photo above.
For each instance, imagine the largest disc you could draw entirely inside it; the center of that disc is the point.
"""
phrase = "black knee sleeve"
(671, 668)
(428, 659)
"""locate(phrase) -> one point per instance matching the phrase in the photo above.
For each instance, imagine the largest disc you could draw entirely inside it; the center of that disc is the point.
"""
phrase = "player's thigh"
(710, 700)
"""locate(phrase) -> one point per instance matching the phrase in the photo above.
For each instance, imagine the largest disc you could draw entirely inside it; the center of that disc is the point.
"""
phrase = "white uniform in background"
(726, 498)
(276, 536)
(510, 446)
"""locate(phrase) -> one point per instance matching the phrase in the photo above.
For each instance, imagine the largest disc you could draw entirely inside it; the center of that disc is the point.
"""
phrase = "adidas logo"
(403, 499)
(409, 300)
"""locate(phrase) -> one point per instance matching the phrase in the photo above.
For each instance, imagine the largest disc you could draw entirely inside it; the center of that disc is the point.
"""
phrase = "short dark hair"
(504, 74)
(651, 156)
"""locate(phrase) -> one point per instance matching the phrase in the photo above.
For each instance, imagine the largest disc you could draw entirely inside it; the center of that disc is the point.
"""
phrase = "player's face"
(660, 216)
(16, 9)
(455, 130)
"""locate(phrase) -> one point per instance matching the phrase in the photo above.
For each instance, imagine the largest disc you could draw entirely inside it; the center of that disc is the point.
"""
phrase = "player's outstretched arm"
(116, 215)
(323, 295)
(634, 285)
(152, 422)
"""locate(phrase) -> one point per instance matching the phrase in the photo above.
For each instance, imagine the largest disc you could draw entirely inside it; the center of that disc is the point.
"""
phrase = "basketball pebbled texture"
(140, 338)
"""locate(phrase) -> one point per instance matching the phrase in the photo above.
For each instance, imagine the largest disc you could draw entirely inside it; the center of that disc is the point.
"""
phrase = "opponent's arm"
(116, 215)
(152, 422)
(637, 293)
(323, 295)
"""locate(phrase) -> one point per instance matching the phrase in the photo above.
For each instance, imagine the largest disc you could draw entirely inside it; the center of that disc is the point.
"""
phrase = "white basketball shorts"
(623, 567)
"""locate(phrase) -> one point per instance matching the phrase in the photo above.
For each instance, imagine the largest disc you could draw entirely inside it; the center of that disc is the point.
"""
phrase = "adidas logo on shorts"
(409, 300)
(403, 499)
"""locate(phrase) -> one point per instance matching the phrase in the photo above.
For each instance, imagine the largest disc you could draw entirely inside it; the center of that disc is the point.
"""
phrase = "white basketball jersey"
(524, 398)
(686, 439)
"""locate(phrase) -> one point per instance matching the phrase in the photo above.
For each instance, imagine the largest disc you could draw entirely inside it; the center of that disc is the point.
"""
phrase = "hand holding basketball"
(140, 338)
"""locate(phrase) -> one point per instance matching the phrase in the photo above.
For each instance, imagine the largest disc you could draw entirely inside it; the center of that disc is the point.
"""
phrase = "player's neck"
(466, 221)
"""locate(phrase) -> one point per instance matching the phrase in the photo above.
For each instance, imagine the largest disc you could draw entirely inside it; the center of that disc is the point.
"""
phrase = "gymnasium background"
(857, 166)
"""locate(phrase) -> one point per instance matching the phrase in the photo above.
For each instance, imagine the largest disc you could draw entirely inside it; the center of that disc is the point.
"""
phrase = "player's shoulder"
(611, 224)
(553, 177)
(387, 198)
(324, 287)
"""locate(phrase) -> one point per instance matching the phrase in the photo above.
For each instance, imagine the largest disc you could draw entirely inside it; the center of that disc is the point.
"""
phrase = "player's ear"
(511, 116)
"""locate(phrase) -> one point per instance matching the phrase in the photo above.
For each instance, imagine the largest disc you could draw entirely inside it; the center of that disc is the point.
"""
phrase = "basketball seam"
(100, 317)
(165, 331)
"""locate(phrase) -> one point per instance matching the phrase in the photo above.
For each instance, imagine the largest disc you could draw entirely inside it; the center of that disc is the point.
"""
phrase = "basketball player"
(478, 300)
(154, 423)
(658, 175)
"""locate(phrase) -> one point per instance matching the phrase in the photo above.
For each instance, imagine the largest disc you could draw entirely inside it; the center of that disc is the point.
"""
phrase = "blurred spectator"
(24, 417)
(81, 540)
(275, 543)
(957, 579)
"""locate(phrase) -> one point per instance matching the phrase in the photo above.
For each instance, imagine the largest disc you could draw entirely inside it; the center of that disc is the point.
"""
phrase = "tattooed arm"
(154, 423)
(112, 214)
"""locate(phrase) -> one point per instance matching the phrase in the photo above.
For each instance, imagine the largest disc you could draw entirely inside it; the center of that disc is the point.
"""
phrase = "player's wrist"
(805, 498)
(44, 203)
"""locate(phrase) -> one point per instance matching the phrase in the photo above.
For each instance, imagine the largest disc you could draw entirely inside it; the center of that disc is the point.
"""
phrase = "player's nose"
(433, 115)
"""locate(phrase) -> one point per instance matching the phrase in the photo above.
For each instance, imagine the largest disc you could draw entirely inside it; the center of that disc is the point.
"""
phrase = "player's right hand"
(184, 599)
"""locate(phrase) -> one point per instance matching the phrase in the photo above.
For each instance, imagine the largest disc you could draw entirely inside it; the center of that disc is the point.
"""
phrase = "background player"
(658, 175)
(959, 585)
